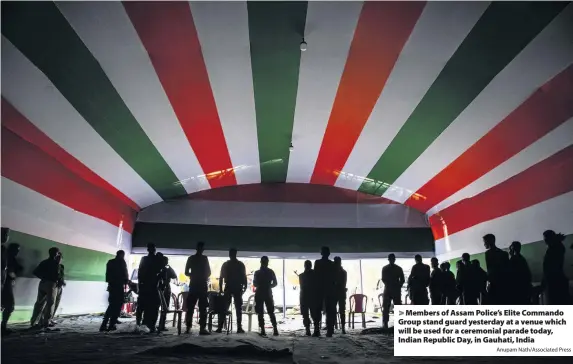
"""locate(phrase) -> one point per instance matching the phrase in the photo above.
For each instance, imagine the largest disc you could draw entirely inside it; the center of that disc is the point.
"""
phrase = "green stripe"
(43, 35)
(500, 35)
(276, 30)
(534, 253)
(80, 264)
(285, 239)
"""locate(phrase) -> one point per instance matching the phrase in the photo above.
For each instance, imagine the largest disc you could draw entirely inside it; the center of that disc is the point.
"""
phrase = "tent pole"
(361, 282)
(284, 291)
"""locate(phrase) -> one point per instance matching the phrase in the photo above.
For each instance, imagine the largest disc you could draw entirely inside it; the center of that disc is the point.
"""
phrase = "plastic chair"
(250, 311)
(177, 314)
(215, 307)
(358, 303)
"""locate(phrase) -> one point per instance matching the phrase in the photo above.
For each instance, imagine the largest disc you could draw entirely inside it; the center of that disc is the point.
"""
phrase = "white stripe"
(292, 255)
(329, 32)
(108, 33)
(278, 214)
(78, 297)
(525, 226)
(32, 213)
(223, 31)
(558, 139)
(442, 27)
(547, 55)
(34, 95)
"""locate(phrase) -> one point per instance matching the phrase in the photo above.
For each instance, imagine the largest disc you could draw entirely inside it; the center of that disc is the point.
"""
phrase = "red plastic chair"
(358, 303)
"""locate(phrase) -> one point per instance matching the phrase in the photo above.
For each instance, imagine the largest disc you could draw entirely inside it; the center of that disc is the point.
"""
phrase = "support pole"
(361, 282)
(284, 290)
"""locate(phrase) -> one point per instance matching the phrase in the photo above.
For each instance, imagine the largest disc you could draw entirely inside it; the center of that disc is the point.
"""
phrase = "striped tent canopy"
(460, 111)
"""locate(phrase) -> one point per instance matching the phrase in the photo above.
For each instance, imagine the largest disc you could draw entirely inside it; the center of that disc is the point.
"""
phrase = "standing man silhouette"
(340, 291)
(116, 277)
(234, 277)
(419, 281)
(520, 276)
(264, 281)
(308, 301)
(13, 270)
(146, 289)
(326, 289)
(198, 271)
(436, 283)
(497, 263)
(393, 279)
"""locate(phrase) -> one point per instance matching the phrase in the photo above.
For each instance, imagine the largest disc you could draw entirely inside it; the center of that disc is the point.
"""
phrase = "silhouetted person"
(555, 282)
(116, 277)
(145, 279)
(459, 274)
(436, 283)
(419, 281)
(166, 274)
(198, 271)
(449, 284)
(520, 288)
(341, 278)
(480, 277)
(234, 277)
(59, 290)
(326, 289)
(148, 279)
(308, 301)
(13, 270)
(469, 289)
(393, 279)
(497, 262)
(5, 238)
(264, 281)
(48, 272)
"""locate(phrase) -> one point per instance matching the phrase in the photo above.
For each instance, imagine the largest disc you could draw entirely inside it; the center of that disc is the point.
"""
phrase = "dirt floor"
(79, 341)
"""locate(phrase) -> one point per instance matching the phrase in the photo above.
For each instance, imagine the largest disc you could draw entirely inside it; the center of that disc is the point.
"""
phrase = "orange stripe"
(13, 120)
(550, 106)
(543, 181)
(383, 29)
(168, 33)
(28, 165)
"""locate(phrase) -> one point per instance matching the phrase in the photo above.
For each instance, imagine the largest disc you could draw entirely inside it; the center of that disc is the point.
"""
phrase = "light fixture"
(303, 45)
(291, 148)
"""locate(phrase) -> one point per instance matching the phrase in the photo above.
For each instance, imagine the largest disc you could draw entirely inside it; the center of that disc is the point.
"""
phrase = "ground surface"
(79, 341)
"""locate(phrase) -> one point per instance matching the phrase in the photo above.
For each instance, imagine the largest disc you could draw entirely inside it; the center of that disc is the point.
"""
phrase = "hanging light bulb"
(303, 45)
(291, 148)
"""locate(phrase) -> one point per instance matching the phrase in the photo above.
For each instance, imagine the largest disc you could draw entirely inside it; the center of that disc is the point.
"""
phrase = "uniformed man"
(198, 271)
(326, 290)
(393, 279)
(449, 283)
(467, 282)
(13, 270)
(116, 277)
(146, 282)
(480, 279)
(166, 274)
(419, 281)
(264, 281)
(497, 263)
(340, 291)
(234, 277)
(436, 283)
(308, 301)
(48, 272)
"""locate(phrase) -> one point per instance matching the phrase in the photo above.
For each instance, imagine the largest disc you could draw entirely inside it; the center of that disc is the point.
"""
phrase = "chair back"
(250, 308)
(182, 301)
(358, 303)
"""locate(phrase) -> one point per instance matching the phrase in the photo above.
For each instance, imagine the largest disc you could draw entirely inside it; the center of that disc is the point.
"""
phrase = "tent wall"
(48, 204)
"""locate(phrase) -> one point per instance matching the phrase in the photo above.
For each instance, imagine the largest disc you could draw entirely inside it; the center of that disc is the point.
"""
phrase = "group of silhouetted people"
(50, 288)
(508, 280)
